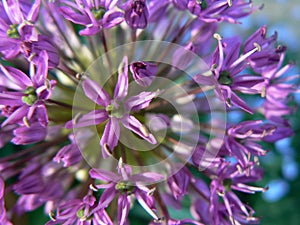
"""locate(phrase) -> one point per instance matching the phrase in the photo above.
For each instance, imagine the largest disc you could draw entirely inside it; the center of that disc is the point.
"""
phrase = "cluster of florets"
(46, 48)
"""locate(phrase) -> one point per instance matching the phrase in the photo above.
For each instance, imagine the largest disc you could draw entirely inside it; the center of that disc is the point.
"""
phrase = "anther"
(151, 191)
(107, 149)
(217, 36)
(81, 76)
(52, 216)
(263, 92)
(159, 220)
(31, 57)
(76, 118)
(257, 46)
(47, 84)
(144, 131)
(256, 160)
(229, 2)
(26, 122)
(93, 188)
(120, 163)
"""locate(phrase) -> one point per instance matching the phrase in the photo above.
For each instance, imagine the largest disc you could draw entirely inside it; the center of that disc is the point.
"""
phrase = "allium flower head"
(116, 107)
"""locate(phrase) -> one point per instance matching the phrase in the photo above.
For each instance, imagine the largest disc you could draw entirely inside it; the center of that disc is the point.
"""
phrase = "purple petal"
(20, 79)
(131, 123)
(111, 19)
(121, 89)
(104, 175)
(69, 155)
(88, 31)
(73, 16)
(146, 177)
(110, 136)
(11, 98)
(42, 70)
(123, 209)
(42, 115)
(92, 118)
(34, 11)
(33, 134)
(143, 72)
(96, 93)
(107, 196)
(140, 101)
(13, 11)
(16, 116)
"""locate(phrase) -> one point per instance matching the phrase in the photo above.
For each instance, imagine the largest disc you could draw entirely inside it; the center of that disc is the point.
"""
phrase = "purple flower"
(216, 11)
(278, 87)
(179, 182)
(136, 14)
(94, 15)
(143, 72)
(230, 177)
(3, 217)
(24, 135)
(69, 154)
(79, 211)
(27, 101)
(268, 56)
(18, 34)
(117, 110)
(123, 185)
(227, 65)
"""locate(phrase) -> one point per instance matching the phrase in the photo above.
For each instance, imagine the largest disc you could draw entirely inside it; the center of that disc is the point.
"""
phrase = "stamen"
(256, 45)
(151, 191)
(26, 122)
(81, 76)
(245, 56)
(76, 118)
(256, 160)
(52, 216)
(120, 163)
(144, 131)
(93, 188)
(32, 55)
(263, 92)
(159, 220)
(107, 149)
(47, 84)
(229, 2)
(228, 102)
(217, 36)
(239, 168)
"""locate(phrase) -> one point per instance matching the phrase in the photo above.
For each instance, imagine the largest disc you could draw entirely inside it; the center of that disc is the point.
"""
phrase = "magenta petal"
(140, 101)
(146, 177)
(13, 11)
(96, 93)
(16, 116)
(34, 11)
(121, 89)
(131, 123)
(25, 135)
(42, 115)
(92, 118)
(42, 70)
(107, 196)
(111, 19)
(104, 175)
(123, 209)
(17, 77)
(110, 136)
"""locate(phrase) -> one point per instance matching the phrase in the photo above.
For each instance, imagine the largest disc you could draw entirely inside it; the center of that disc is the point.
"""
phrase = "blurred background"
(281, 203)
